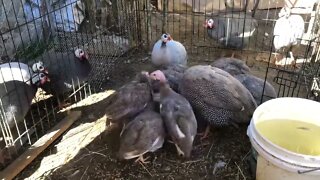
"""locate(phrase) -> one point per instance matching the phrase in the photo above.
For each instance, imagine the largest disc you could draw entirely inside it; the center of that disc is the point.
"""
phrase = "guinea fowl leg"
(205, 134)
(142, 160)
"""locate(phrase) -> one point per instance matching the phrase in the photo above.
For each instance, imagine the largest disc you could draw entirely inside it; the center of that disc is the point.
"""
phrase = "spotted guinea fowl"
(216, 96)
(18, 71)
(238, 69)
(130, 99)
(145, 133)
(16, 96)
(167, 51)
(232, 30)
(67, 70)
(178, 116)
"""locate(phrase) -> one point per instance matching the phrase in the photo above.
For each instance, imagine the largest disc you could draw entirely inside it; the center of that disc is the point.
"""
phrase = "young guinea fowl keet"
(232, 30)
(145, 133)
(65, 71)
(238, 69)
(216, 96)
(178, 116)
(167, 51)
(130, 99)
(16, 96)
(174, 75)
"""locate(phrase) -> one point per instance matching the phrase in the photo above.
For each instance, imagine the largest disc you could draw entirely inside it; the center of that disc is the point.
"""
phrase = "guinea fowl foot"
(205, 134)
(142, 160)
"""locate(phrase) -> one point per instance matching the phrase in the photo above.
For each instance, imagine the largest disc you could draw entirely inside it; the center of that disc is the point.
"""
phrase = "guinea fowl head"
(40, 79)
(143, 76)
(81, 54)
(166, 37)
(39, 67)
(209, 24)
(158, 76)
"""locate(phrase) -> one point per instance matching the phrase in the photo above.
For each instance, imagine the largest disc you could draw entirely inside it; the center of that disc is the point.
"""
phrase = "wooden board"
(27, 157)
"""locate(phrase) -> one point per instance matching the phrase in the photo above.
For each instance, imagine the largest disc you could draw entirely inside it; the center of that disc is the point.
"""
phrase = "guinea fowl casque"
(288, 32)
(130, 99)
(67, 71)
(217, 97)
(238, 69)
(145, 133)
(232, 30)
(177, 115)
(167, 51)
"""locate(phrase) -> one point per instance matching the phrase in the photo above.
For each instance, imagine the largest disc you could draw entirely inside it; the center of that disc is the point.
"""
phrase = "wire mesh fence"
(50, 31)
(33, 30)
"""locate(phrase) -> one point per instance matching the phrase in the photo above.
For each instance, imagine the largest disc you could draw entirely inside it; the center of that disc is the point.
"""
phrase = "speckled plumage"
(216, 96)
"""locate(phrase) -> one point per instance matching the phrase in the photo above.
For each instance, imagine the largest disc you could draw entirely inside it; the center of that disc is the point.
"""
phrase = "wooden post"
(148, 23)
(27, 157)
(165, 17)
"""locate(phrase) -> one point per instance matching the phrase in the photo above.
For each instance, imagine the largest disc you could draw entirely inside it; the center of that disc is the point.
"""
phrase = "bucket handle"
(307, 171)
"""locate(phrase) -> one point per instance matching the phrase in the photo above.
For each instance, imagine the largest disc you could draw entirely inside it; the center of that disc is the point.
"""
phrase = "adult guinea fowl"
(67, 70)
(167, 51)
(232, 30)
(216, 96)
(145, 133)
(16, 96)
(238, 69)
(20, 71)
(177, 114)
(130, 99)
(288, 32)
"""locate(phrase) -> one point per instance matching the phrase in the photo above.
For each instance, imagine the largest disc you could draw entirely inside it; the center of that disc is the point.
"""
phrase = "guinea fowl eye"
(41, 76)
(165, 36)
(41, 67)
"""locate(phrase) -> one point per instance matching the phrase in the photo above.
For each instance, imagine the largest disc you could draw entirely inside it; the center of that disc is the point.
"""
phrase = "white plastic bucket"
(275, 162)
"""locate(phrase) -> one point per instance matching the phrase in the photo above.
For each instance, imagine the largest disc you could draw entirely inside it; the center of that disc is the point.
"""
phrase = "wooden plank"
(27, 157)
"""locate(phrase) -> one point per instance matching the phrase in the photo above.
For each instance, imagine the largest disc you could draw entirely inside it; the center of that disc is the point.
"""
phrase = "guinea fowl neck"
(165, 89)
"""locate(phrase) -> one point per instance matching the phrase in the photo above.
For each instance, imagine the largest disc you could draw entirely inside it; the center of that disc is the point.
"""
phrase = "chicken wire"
(29, 29)
(183, 20)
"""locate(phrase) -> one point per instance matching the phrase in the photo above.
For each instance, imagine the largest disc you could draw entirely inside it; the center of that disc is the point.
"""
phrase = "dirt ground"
(97, 160)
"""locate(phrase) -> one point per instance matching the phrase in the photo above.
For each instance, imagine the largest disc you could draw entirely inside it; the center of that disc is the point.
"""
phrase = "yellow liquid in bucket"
(296, 136)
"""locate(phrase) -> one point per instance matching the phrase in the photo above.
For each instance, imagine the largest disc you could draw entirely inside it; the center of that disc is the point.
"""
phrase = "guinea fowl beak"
(85, 56)
(46, 71)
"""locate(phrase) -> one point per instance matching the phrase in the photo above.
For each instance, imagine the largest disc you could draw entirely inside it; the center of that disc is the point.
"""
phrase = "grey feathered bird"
(174, 75)
(178, 116)
(66, 70)
(216, 96)
(241, 71)
(145, 133)
(130, 99)
(167, 51)
(232, 30)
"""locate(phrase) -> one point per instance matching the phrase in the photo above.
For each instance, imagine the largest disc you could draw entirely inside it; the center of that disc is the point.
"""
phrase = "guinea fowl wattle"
(67, 71)
(177, 115)
(216, 97)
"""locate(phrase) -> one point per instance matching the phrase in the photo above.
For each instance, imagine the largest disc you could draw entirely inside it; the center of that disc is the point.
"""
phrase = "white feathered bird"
(288, 32)
(167, 51)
